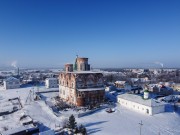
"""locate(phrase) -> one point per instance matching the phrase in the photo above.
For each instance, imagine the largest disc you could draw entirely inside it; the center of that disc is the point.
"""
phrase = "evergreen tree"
(76, 130)
(82, 130)
(81, 127)
(72, 122)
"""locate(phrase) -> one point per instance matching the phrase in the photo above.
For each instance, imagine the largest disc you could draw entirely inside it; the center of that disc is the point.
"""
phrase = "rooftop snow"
(120, 82)
(91, 89)
(17, 130)
(51, 78)
(11, 79)
(138, 99)
(49, 132)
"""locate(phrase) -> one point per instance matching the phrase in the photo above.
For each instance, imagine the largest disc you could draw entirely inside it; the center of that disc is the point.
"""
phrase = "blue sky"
(122, 33)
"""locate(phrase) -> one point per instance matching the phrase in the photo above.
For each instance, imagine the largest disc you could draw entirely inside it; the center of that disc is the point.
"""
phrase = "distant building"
(154, 88)
(111, 88)
(141, 104)
(80, 86)
(51, 83)
(177, 87)
(169, 84)
(120, 84)
(160, 89)
(166, 90)
(11, 83)
(123, 85)
(136, 81)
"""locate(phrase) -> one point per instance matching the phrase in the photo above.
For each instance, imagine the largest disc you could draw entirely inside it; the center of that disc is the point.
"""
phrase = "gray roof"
(91, 89)
(10, 79)
(51, 79)
(14, 131)
(17, 130)
(49, 132)
(138, 99)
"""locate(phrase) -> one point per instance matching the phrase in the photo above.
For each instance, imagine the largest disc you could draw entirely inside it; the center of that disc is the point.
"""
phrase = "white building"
(137, 103)
(11, 83)
(51, 83)
(177, 87)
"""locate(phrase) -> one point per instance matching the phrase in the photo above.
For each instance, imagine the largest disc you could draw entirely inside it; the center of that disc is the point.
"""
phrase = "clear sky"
(122, 33)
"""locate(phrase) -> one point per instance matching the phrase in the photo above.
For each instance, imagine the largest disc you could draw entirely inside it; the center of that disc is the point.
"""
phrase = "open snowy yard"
(121, 122)
(126, 122)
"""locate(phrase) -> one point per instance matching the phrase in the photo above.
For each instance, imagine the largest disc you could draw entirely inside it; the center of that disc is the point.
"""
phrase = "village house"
(138, 81)
(176, 86)
(120, 84)
(11, 83)
(160, 89)
(154, 88)
(51, 83)
(123, 85)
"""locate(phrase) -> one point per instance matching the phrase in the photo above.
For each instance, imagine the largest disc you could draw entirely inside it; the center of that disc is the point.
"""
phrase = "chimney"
(18, 72)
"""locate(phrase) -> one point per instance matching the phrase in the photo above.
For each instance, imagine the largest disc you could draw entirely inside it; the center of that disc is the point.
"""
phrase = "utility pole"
(141, 124)
(159, 133)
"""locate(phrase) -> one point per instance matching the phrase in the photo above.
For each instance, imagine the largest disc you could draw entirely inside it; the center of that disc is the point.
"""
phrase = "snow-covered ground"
(126, 122)
(36, 109)
(122, 121)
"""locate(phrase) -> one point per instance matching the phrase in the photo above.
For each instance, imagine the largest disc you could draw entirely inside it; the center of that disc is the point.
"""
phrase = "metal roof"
(138, 99)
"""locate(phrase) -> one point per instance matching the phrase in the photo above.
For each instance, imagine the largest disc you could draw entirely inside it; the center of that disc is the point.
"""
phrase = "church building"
(80, 86)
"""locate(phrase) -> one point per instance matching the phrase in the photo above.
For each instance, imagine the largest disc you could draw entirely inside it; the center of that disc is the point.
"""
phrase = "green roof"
(146, 91)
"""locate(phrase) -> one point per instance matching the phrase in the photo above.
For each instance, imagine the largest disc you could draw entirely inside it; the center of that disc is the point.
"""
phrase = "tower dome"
(146, 94)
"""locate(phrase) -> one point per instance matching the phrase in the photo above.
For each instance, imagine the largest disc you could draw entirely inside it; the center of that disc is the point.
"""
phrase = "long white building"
(11, 83)
(139, 104)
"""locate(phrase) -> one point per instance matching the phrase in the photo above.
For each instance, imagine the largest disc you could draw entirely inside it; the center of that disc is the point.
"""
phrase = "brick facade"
(81, 87)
